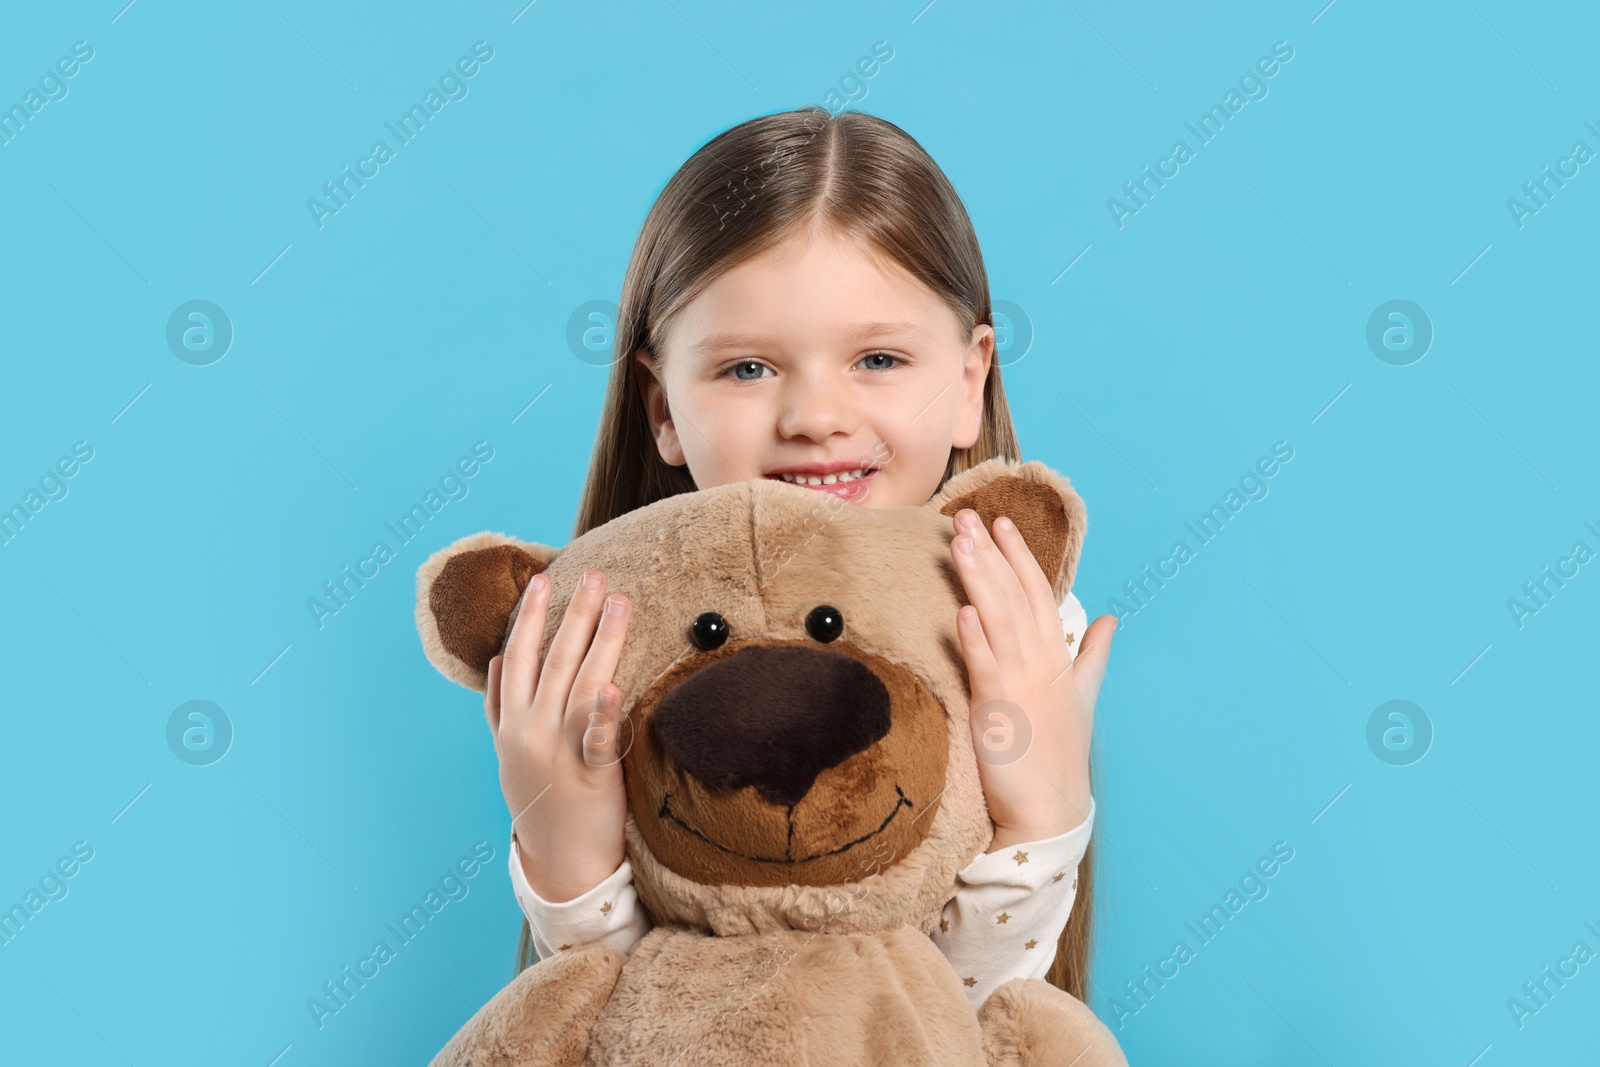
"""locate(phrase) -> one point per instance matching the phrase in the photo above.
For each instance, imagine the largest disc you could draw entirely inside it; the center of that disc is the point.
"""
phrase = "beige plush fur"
(791, 932)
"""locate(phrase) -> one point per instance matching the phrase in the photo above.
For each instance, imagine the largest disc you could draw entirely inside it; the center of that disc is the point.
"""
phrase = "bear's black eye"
(824, 623)
(709, 631)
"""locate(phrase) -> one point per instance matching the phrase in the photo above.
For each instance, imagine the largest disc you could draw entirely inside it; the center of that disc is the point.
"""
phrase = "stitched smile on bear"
(768, 762)
(903, 802)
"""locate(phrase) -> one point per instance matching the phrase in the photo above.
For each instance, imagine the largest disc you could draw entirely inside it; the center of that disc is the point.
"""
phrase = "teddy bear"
(801, 781)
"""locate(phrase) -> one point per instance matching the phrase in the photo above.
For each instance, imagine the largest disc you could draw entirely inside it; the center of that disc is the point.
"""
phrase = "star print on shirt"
(1002, 918)
(1021, 857)
(944, 926)
(1032, 941)
(563, 948)
(1070, 639)
(605, 909)
(969, 981)
(1058, 876)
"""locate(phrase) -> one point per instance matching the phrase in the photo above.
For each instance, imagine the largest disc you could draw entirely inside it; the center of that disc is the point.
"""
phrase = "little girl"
(807, 301)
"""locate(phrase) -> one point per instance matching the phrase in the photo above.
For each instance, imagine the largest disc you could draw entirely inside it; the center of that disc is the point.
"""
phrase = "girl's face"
(816, 360)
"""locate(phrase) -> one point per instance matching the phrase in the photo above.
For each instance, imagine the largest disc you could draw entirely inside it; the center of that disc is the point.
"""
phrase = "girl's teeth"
(829, 479)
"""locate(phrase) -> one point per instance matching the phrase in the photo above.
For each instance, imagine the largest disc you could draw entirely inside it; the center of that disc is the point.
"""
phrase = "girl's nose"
(815, 410)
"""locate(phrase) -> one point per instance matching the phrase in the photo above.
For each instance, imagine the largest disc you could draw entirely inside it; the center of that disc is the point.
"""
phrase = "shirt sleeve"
(608, 913)
(1009, 910)
(1074, 620)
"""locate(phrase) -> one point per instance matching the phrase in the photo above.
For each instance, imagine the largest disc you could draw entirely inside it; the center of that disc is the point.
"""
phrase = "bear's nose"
(774, 718)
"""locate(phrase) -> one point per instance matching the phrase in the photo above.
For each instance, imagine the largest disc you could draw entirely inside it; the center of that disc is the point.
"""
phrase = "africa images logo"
(453, 485)
(452, 85)
(1207, 127)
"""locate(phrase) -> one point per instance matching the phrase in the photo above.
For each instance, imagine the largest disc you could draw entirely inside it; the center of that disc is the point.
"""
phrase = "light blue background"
(1225, 316)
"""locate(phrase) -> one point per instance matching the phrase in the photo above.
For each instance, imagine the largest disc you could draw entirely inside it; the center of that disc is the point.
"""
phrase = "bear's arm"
(544, 1018)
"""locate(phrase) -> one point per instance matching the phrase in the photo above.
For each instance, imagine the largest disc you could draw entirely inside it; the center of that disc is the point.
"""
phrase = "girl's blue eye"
(737, 368)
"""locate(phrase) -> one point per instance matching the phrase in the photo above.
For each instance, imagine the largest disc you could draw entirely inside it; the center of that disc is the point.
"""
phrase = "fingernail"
(966, 518)
(591, 579)
(534, 585)
(1003, 523)
(613, 605)
(964, 545)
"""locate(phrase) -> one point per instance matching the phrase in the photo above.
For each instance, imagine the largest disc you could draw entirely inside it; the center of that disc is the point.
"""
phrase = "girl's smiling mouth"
(848, 481)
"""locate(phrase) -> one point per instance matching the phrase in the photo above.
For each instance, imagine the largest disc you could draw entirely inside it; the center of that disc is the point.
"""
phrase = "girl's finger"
(600, 739)
(568, 647)
(1090, 666)
(992, 586)
(521, 665)
(983, 673)
(1035, 586)
(491, 695)
(600, 662)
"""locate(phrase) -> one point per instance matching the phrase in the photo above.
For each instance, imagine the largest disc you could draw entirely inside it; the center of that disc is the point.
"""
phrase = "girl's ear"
(654, 397)
(1048, 512)
(467, 595)
(974, 375)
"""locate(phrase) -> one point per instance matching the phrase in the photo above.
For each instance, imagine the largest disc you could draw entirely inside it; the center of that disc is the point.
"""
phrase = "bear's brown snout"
(774, 718)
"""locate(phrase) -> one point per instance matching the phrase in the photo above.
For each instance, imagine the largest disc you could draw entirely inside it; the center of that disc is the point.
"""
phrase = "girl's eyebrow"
(865, 331)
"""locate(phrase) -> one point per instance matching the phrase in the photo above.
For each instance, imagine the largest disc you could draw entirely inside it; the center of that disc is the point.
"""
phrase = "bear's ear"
(467, 593)
(1048, 512)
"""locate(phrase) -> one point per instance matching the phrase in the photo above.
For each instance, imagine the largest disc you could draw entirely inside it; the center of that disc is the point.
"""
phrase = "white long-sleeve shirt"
(1008, 911)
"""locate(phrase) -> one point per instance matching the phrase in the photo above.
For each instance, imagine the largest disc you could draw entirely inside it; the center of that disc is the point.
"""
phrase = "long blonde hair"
(744, 191)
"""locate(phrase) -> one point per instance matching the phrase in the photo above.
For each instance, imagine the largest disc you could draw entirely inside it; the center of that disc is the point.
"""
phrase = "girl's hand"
(555, 733)
(1032, 711)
